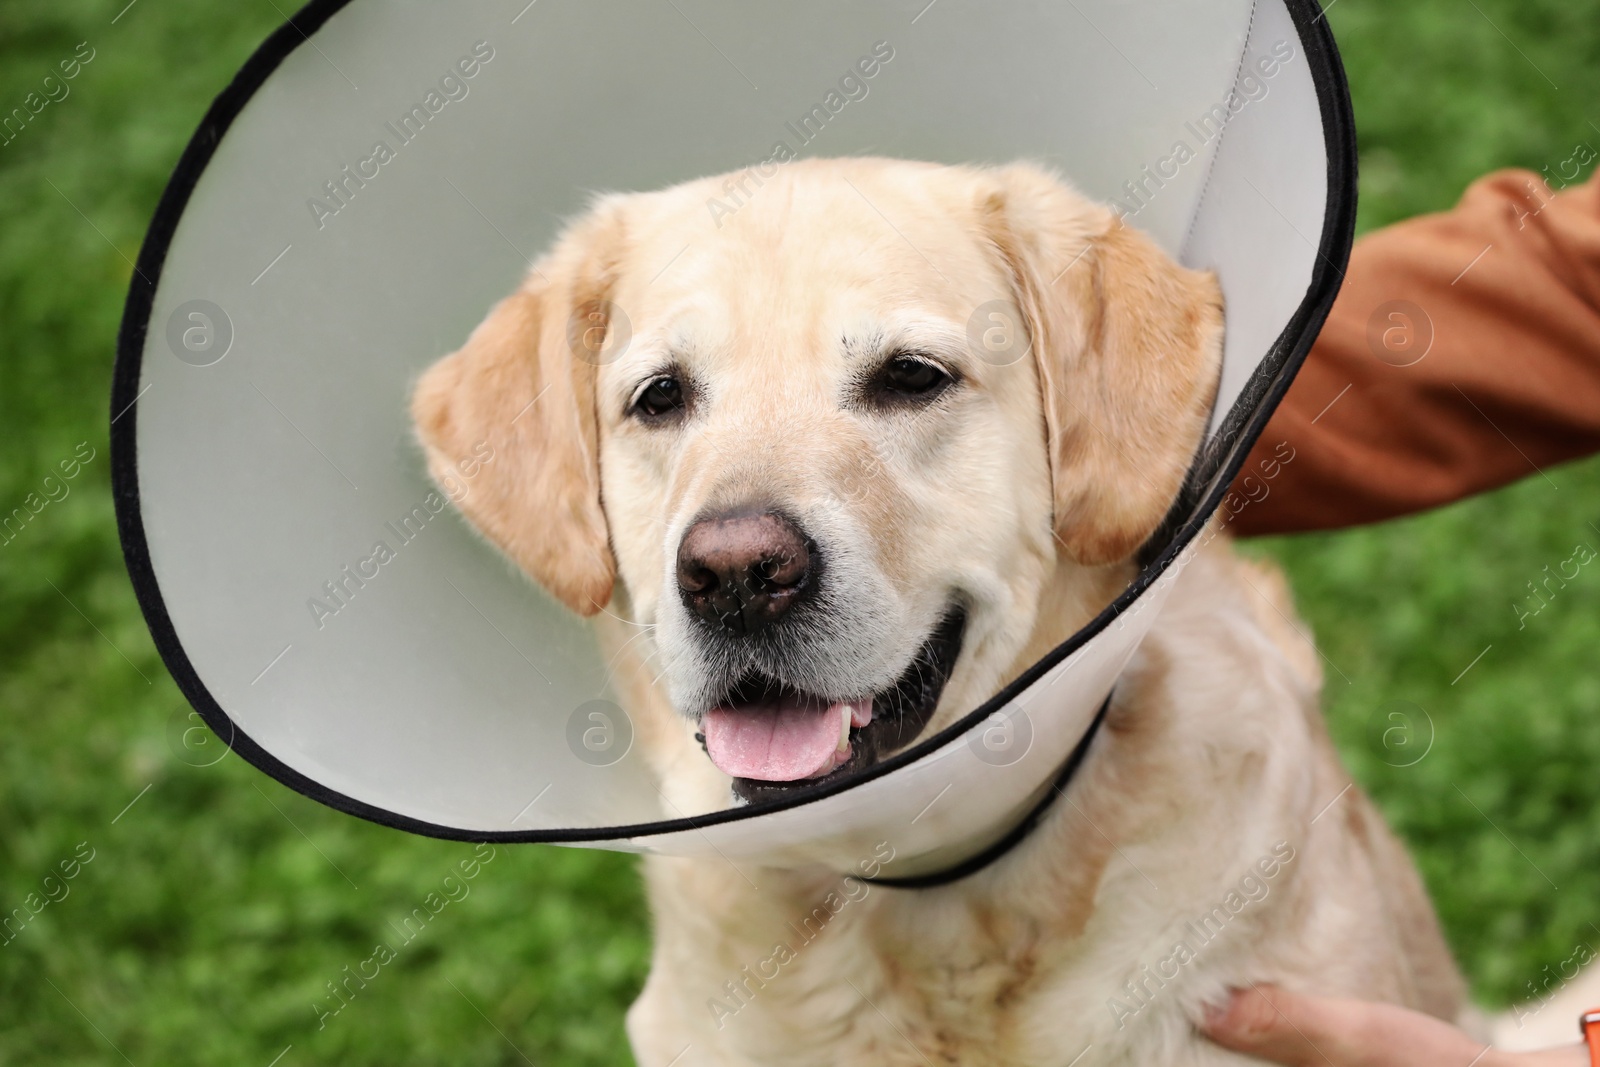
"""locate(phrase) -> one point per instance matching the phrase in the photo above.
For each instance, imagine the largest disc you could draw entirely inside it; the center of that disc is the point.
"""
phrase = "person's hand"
(1306, 1031)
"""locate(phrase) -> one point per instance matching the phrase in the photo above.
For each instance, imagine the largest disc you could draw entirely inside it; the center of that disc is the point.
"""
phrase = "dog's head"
(855, 441)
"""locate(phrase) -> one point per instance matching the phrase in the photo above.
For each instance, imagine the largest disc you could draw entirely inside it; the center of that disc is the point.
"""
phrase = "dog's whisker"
(627, 622)
(665, 668)
(655, 650)
(622, 648)
(657, 679)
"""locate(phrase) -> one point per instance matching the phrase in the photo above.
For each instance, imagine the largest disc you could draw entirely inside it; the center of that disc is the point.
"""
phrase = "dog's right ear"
(520, 391)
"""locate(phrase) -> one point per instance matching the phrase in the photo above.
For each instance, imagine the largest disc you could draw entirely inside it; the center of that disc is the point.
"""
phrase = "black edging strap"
(1018, 832)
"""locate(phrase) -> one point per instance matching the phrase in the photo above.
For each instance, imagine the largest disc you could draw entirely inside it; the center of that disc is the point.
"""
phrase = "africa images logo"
(453, 85)
(852, 87)
(1250, 87)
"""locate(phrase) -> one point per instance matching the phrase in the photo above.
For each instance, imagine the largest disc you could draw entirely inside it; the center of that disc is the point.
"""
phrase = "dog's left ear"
(1128, 348)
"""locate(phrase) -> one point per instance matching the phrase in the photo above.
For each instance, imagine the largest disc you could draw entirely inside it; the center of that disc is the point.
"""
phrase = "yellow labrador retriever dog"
(814, 521)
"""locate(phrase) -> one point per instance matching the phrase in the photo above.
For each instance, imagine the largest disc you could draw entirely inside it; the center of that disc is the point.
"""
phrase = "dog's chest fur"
(1212, 763)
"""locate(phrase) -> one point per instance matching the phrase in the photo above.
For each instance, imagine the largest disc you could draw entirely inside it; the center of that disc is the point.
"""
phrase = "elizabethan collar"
(378, 175)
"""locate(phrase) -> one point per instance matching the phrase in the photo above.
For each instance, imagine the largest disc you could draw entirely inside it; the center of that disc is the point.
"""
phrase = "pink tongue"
(783, 741)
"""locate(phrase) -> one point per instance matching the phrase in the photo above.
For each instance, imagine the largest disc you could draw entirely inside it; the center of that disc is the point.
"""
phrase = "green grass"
(216, 908)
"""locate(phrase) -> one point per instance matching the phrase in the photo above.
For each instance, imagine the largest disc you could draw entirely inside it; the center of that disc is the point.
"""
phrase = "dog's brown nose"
(742, 572)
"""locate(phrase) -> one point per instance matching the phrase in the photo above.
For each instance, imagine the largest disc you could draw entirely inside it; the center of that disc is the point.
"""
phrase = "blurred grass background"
(219, 905)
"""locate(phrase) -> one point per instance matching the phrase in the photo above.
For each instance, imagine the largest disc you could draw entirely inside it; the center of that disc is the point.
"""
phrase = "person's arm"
(1302, 1031)
(1495, 306)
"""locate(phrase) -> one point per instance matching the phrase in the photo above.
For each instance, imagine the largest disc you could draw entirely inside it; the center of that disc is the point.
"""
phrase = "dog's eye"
(907, 377)
(661, 396)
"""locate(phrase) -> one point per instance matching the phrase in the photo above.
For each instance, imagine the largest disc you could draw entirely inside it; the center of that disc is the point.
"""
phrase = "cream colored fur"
(1021, 494)
(1214, 753)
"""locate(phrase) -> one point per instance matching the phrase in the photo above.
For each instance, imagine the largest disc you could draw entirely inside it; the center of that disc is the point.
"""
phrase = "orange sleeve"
(1462, 353)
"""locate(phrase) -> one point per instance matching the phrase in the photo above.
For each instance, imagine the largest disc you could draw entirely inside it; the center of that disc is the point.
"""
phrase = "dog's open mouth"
(773, 738)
